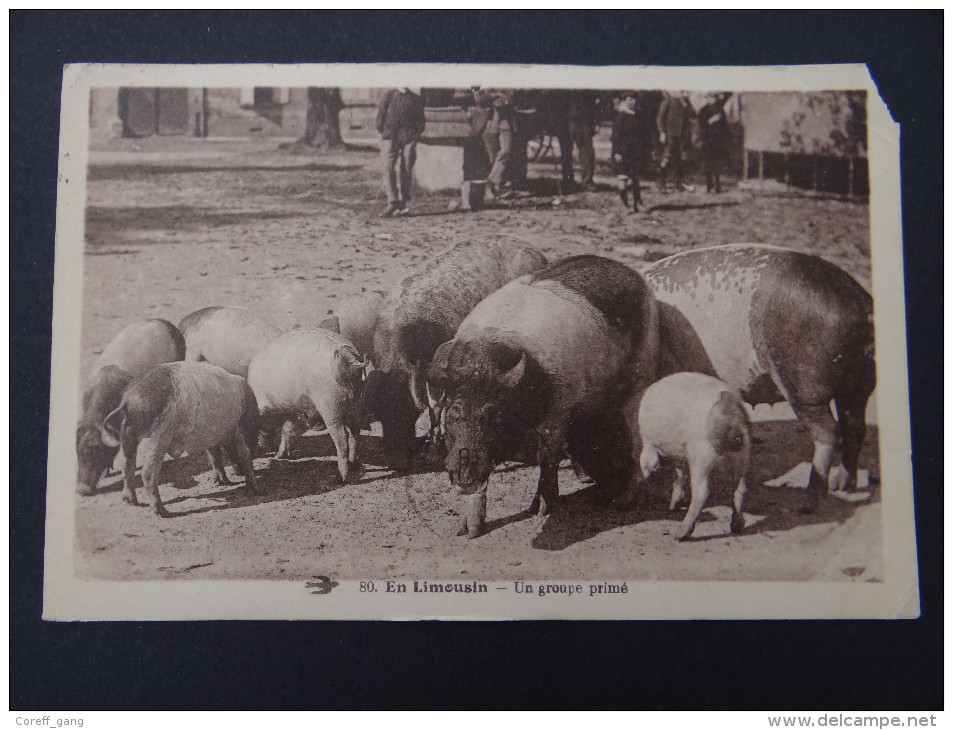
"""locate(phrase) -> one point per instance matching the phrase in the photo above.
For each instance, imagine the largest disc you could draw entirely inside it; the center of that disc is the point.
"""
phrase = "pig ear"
(332, 323)
(348, 368)
(512, 377)
(111, 430)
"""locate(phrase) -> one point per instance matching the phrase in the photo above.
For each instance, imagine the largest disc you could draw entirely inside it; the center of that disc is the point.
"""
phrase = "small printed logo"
(320, 584)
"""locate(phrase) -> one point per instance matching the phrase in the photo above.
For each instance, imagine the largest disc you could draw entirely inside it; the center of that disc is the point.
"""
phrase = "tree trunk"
(323, 126)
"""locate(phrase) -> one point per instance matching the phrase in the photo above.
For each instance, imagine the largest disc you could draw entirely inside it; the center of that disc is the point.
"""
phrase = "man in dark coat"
(631, 136)
(715, 139)
(578, 128)
(674, 122)
(400, 122)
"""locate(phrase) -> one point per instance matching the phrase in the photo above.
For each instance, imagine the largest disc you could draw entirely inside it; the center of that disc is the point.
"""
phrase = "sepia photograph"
(478, 342)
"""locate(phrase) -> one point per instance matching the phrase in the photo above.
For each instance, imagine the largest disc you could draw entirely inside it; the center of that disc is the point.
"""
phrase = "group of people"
(632, 136)
(401, 122)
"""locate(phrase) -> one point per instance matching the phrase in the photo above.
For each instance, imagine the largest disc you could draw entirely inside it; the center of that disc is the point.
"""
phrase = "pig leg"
(245, 461)
(355, 467)
(678, 489)
(151, 475)
(627, 499)
(473, 515)
(128, 479)
(130, 446)
(851, 417)
(737, 523)
(218, 465)
(341, 435)
(699, 468)
(823, 429)
(547, 491)
(289, 430)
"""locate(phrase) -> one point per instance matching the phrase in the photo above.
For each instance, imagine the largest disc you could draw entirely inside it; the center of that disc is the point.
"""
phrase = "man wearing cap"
(631, 136)
(715, 138)
(674, 122)
(497, 137)
(400, 122)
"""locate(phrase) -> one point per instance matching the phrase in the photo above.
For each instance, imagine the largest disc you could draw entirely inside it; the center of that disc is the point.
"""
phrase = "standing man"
(498, 138)
(674, 122)
(631, 136)
(400, 122)
(578, 130)
(715, 138)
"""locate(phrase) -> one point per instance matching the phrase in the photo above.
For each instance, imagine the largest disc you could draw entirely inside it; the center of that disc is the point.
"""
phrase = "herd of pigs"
(512, 358)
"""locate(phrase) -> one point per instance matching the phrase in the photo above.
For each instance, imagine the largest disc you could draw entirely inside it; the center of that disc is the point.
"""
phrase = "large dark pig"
(226, 336)
(420, 314)
(776, 325)
(305, 378)
(138, 348)
(179, 407)
(564, 346)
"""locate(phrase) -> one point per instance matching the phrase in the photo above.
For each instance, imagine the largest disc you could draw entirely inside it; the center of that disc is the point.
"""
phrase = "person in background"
(631, 135)
(498, 138)
(400, 122)
(715, 138)
(579, 128)
(674, 122)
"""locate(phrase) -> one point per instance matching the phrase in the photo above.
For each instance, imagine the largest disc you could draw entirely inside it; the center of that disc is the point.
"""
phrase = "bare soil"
(174, 225)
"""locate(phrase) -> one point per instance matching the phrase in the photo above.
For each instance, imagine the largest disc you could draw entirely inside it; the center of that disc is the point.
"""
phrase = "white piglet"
(306, 378)
(700, 424)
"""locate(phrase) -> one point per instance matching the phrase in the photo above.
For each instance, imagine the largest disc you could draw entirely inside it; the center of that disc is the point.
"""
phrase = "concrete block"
(438, 167)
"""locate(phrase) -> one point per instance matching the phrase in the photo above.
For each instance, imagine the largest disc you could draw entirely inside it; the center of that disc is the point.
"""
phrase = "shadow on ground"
(779, 446)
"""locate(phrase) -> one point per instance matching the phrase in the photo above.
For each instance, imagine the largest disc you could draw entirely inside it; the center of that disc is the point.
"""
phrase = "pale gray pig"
(776, 325)
(700, 424)
(135, 350)
(308, 378)
(179, 407)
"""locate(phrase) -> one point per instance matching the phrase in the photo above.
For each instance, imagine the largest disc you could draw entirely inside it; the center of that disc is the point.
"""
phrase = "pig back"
(141, 346)
(592, 353)
(676, 410)
(704, 307)
(751, 314)
(425, 310)
(228, 337)
(195, 406)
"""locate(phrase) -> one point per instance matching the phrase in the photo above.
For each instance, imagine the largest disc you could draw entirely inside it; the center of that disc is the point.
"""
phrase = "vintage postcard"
(478, 342)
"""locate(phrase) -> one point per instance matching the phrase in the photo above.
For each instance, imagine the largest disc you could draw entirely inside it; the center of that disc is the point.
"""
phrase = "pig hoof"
(839, 479)
(545, 506)
(162, 512)
(737, 524)
(683, 532)
(462, 529)
(222, 481)
(130, 499)
(474, 532)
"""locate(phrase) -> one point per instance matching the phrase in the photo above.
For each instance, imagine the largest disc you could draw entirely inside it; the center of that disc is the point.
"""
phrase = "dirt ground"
(174, 225)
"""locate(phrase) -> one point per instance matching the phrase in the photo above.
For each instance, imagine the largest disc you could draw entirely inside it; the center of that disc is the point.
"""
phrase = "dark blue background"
(274, 665)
